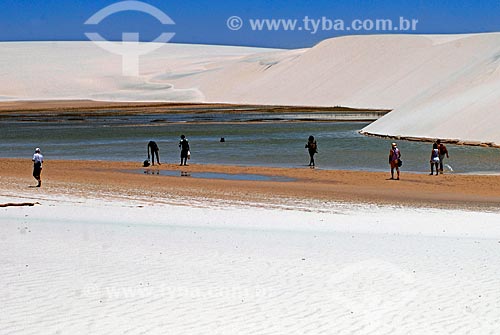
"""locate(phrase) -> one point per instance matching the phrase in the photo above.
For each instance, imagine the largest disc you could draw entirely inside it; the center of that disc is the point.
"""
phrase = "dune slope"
(438, 85)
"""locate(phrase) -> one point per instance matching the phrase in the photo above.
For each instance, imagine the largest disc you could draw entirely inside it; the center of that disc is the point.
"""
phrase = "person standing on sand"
(312, 147)
(184, 145)
(443, 151)
(434, 159)
(394, 158)
(37, 166)
(154, 149)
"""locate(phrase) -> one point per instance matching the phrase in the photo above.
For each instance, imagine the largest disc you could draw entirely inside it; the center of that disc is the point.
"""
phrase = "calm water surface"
(124, 138)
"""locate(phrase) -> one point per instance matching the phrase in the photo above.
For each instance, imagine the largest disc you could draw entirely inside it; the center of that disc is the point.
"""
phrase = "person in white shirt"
(37, 166)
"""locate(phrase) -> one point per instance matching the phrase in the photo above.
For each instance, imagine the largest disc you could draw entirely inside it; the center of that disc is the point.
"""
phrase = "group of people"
(438, 154)
(154, 151)
(152, 148)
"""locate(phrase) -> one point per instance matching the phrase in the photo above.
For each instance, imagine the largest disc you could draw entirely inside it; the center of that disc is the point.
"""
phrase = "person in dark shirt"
(443, 151)
(312, 147)
(184, 145)
(154, 149)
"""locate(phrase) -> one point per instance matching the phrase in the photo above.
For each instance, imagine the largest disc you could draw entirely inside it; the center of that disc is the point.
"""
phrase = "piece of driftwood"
(19, 204)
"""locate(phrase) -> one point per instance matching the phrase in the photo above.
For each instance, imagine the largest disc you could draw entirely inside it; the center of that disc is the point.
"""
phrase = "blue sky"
(204, 21)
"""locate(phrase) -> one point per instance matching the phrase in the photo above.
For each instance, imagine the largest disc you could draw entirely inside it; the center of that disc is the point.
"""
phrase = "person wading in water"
(312, 147)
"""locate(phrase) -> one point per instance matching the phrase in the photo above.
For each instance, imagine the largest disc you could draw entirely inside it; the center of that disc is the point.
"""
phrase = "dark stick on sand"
(10, 204)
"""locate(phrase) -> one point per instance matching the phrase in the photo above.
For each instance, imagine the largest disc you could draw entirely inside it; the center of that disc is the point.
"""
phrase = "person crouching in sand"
(155, 150)
(394, 158)
(37, 166)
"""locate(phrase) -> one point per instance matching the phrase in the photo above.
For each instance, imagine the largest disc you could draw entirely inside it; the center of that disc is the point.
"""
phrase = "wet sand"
(86, 108)
(129, 180)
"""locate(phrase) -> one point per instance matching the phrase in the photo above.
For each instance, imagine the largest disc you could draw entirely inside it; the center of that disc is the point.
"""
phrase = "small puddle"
(213, 175)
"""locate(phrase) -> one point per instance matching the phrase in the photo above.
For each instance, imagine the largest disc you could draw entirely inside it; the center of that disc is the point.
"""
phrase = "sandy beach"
(53, 109)
(106, 250)
(130, 180)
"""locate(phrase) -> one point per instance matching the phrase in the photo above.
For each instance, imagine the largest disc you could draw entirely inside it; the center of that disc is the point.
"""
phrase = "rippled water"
(124, 138)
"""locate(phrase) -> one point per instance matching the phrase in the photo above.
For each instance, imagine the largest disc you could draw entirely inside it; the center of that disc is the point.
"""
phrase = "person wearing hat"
(37, 166)
(394, 158)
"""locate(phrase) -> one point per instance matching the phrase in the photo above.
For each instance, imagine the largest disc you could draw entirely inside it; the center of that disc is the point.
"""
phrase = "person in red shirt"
(443, 151)
(394, 159)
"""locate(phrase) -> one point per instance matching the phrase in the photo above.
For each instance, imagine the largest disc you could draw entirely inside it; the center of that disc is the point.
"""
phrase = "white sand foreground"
(91, 266)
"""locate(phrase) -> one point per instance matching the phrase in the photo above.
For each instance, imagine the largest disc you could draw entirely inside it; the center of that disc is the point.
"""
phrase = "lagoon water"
(267, 140)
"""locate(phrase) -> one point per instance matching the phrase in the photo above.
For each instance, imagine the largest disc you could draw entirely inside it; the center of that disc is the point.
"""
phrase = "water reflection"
(214, 175)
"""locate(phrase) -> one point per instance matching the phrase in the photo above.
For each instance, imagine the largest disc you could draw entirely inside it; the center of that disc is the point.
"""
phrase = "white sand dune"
(82, 70)
(438, 85)
(465, 106)
(357, 71)
(83, 266)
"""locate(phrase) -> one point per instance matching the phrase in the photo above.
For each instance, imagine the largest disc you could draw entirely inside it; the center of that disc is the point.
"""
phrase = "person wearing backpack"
(434, 159)
(312, 147)
(394, 159)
